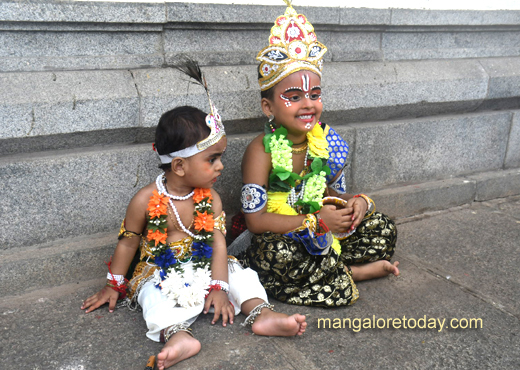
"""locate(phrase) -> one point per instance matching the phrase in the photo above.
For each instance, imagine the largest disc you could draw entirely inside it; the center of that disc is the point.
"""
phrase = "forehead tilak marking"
(305, 82)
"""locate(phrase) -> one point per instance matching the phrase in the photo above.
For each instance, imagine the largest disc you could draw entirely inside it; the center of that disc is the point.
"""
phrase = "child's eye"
(294, 98)
(315, 96)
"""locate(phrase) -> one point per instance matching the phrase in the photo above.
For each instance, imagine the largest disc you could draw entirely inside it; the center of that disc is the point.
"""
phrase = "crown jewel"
(293, 47)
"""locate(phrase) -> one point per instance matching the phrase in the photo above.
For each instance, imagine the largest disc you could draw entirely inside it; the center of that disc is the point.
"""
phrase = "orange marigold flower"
(204, 221)
(201, 193)
(157, 236)
(158, 205)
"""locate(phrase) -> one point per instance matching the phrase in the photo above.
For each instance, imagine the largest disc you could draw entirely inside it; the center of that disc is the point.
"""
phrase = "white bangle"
(119, 278)
(222, 284)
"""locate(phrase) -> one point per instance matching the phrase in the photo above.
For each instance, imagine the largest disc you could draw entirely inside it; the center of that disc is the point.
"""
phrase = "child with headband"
(311, 239)
(178, 225)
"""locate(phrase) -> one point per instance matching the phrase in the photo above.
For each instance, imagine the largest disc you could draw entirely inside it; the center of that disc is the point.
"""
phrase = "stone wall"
(428, 100)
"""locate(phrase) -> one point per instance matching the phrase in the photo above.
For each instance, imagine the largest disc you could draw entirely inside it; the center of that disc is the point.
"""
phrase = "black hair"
(269, 93)
(178, 129)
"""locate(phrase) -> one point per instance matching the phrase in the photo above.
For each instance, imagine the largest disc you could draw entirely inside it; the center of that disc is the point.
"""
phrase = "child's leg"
(373, 270)
(247, 292)
(370, 248)
(170, 325)
(180, 346)
(265, 321)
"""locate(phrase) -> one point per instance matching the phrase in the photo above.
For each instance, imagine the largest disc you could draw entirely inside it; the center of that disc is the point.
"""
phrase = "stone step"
(60, 110)
(64, 262)
(59, 194)
(77, 260)
(114, 35)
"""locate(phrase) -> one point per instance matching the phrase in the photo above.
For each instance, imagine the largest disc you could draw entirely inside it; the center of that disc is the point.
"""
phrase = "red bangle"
(114, 284)
(213, 287)
(322, 227)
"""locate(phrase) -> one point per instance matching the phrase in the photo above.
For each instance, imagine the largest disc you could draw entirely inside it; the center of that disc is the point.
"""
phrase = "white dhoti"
(160, 313)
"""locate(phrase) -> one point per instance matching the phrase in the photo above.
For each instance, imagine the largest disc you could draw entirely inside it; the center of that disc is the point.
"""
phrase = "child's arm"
(123, 254)
(219, 271)
(256, 166)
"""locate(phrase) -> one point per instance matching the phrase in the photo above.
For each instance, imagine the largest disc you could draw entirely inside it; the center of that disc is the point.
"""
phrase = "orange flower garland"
(204, 221)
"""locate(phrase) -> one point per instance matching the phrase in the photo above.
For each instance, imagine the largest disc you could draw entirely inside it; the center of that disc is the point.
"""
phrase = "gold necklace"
(175, 224)
(301, 150)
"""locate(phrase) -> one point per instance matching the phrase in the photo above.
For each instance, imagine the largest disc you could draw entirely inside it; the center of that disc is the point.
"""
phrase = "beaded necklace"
(170, 275)
(283, 179)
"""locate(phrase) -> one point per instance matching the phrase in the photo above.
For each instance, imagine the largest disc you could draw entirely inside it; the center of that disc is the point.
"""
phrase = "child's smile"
(296, 104)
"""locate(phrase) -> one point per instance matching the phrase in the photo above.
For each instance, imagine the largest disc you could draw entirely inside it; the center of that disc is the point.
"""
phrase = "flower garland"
(283, 180)
(171, 277)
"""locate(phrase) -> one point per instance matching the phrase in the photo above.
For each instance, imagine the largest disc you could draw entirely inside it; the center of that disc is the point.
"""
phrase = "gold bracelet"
(309, 222)
(370, 203)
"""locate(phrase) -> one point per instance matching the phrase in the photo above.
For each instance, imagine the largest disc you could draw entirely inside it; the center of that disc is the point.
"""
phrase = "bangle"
(119, 279)
(309, 222)
(322, 227)
(116, 282)
(370, 203)
(219, 285)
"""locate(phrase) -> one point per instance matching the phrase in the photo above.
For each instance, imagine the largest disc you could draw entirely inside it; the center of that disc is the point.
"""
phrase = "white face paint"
(286, 100)
(305, 83)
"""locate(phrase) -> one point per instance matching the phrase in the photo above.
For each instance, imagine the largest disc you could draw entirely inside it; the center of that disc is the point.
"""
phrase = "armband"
(124, 233)
(254, 198)
(220, 223)
(371, 205)
(339, 185)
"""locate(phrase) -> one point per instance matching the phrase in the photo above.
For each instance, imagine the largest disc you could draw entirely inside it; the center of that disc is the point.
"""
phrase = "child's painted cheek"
(286, 100)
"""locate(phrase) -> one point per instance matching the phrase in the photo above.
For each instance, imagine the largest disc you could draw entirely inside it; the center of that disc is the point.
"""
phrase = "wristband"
(322, 227)
(370, 203)
(219, 285)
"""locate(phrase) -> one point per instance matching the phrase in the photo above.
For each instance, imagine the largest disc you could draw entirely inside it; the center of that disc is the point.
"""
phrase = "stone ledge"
(41, 266)
(418, 150)
(164, 11)
(496, 184)
(53, 264)
(513, 146)
(77, 187)
(424, 197)
(82, 11)
(49, 103)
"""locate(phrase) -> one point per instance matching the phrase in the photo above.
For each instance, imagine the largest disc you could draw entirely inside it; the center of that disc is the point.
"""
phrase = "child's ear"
(177, 166)
(266, 106)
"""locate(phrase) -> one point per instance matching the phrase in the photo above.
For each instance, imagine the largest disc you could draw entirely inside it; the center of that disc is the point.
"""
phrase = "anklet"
(255, 312)
(167, 333)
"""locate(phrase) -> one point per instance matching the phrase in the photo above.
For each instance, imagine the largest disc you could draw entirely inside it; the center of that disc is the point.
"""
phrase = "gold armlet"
(124, 233)
(220, 223)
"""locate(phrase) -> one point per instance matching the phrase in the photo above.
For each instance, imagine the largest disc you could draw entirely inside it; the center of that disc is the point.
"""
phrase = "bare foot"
(180, 347)
(374, 270)
(278, 324)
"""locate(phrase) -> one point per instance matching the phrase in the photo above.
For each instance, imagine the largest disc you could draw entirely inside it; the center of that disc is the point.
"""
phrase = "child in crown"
(178, 226)
(311, 239)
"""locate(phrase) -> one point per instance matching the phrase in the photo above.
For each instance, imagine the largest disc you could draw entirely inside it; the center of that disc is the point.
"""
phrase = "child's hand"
(105, 295)
(337, 220)
(360, 206)
(220, 302)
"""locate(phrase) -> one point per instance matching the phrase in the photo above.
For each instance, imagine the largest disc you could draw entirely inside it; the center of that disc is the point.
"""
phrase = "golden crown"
(293, 47)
